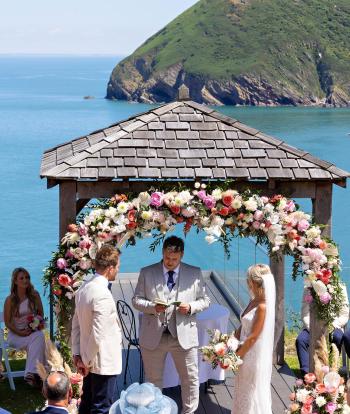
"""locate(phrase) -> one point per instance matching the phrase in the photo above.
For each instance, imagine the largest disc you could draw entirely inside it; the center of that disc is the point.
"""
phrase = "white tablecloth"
(215, 317)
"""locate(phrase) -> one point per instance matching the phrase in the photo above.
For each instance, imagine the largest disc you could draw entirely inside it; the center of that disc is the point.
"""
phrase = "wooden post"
(277, 269)
(68, 205)
(322, 212)
(67, 215)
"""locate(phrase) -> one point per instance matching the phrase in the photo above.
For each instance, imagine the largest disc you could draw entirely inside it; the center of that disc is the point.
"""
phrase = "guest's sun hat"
(143, 399)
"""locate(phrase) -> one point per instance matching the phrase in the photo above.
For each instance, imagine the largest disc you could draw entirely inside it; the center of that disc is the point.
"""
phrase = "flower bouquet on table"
(35, 322)
(221, 351)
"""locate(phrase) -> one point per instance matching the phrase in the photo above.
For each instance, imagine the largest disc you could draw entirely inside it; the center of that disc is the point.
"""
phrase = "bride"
(252, 389)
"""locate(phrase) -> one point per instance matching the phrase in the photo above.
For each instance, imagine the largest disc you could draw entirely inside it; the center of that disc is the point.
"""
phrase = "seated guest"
(57, 391)
(20, 306)
(338, 336)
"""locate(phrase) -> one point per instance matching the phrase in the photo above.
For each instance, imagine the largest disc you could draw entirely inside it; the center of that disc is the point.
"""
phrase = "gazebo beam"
(98, 189)
(322, 212)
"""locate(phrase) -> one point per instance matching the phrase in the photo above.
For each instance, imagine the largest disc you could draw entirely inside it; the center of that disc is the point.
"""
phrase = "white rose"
(319, 287)
(217, 194)
(122, 207)
(331, 250)
(145, 198)
(237, 203)
(210, 238)
(302, 395)
(251, 204)
(320, 401)
(111, 212)
(146, 215)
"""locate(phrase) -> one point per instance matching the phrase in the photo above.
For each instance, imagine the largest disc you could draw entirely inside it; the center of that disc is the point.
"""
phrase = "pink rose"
(325, 298)
(85, 243)
(157, 199)
(258, 215)
(61, 263)
(209, 202)
(303, 225)
(83, 230)
(64, 280)
(220, 349)
(69, 254)
(308, 298)
(201, 194)
(331, 407)
(264, 199)
(309, 378)
(299, 382)
(290, 206)
(306, 409)
(76, 378)
(256, 225)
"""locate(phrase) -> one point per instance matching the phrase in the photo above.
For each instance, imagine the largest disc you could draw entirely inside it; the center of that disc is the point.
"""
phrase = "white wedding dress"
(252, 383)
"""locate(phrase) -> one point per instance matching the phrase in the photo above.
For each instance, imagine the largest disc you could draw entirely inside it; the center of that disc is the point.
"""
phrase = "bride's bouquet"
(221, 351)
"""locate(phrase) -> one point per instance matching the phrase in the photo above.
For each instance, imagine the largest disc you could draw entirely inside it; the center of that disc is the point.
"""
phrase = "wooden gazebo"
(185, 141)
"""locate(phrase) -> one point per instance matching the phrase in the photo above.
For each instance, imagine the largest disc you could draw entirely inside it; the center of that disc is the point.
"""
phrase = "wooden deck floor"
(217, 400)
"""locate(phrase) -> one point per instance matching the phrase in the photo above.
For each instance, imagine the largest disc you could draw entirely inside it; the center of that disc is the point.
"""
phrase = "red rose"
(72, 228)
(227, 200)
(179, 219)
(223, 366)
(131, 215)
(132, 225)
(223, 211)
(64, 280)
(188, 226)
(175, 209)
(57, 292)
(324, 275)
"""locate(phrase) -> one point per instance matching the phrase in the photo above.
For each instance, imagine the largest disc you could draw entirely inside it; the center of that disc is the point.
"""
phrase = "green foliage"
(285, 42)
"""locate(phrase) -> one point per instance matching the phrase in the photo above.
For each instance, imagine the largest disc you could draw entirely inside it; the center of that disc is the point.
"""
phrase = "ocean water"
(42, 105)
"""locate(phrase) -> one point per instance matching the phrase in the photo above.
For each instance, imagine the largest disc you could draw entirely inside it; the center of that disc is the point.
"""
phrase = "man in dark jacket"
(57, 390)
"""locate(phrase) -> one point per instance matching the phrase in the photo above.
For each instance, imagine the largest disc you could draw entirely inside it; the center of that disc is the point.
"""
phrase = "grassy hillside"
(298, 44)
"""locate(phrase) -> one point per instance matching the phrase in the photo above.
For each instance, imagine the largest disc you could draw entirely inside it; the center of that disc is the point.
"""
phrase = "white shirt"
(166, 275)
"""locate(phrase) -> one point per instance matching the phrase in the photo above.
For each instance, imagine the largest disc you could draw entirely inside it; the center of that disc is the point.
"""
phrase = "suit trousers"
(99, 392)
(302, 344)
(186, 362)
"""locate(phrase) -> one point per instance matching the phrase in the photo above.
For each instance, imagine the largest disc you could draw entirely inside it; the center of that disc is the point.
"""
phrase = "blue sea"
(42, 105)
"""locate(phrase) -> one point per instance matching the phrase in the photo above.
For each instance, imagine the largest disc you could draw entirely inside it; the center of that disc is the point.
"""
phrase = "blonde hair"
(255, 275)
(30, 292)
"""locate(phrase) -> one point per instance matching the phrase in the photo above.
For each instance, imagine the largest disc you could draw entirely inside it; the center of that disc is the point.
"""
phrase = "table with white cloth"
(215, 317)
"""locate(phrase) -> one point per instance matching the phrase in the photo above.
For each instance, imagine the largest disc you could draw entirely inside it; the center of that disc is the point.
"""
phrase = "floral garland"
(222, 213)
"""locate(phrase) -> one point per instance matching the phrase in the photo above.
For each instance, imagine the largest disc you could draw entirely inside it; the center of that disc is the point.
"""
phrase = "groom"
(171, 329)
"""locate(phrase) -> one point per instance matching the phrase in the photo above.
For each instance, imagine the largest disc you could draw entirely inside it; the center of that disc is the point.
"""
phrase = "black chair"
(127, 320)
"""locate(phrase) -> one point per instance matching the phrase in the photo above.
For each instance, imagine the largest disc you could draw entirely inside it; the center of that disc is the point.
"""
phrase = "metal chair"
(127, 320)
(4, 347)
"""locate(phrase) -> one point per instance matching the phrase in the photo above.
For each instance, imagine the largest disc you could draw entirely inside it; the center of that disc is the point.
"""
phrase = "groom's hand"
(184, 308)
(160, 308)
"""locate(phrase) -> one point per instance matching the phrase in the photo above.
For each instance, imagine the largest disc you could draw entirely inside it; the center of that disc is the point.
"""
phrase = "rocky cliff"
(245, 52)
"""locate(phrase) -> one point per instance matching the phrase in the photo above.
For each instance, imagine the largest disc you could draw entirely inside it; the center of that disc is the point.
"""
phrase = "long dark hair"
(30, 292)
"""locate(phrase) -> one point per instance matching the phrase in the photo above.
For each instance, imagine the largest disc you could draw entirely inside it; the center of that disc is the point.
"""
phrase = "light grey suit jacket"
(96, 332)
(150, 286)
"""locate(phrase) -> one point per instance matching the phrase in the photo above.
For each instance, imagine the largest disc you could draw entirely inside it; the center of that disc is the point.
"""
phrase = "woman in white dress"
(252, 384)
(22, 302)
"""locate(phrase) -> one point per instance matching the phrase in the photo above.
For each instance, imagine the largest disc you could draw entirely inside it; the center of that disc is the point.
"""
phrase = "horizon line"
(14, 54)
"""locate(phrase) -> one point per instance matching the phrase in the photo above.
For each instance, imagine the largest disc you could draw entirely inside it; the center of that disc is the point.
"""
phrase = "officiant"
(171, 328)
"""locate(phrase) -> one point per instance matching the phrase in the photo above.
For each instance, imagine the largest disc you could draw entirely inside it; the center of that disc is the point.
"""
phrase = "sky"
(104, 27)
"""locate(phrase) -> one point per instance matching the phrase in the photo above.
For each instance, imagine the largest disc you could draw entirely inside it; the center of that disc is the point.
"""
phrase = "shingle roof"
(183, 140)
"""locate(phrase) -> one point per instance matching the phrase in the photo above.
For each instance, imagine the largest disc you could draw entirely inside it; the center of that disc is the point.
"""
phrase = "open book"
(166, 304)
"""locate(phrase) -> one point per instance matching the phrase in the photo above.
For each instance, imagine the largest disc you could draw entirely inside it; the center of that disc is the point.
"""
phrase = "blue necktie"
(170, 281)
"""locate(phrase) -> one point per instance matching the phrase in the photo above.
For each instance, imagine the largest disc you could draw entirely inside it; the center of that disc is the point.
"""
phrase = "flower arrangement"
(326, 397)
(221, 351)
(36, 322)
(221, 213)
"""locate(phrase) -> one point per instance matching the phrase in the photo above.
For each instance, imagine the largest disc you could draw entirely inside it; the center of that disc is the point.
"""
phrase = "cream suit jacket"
(339, 322)
(151, 285)
(96, 333)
